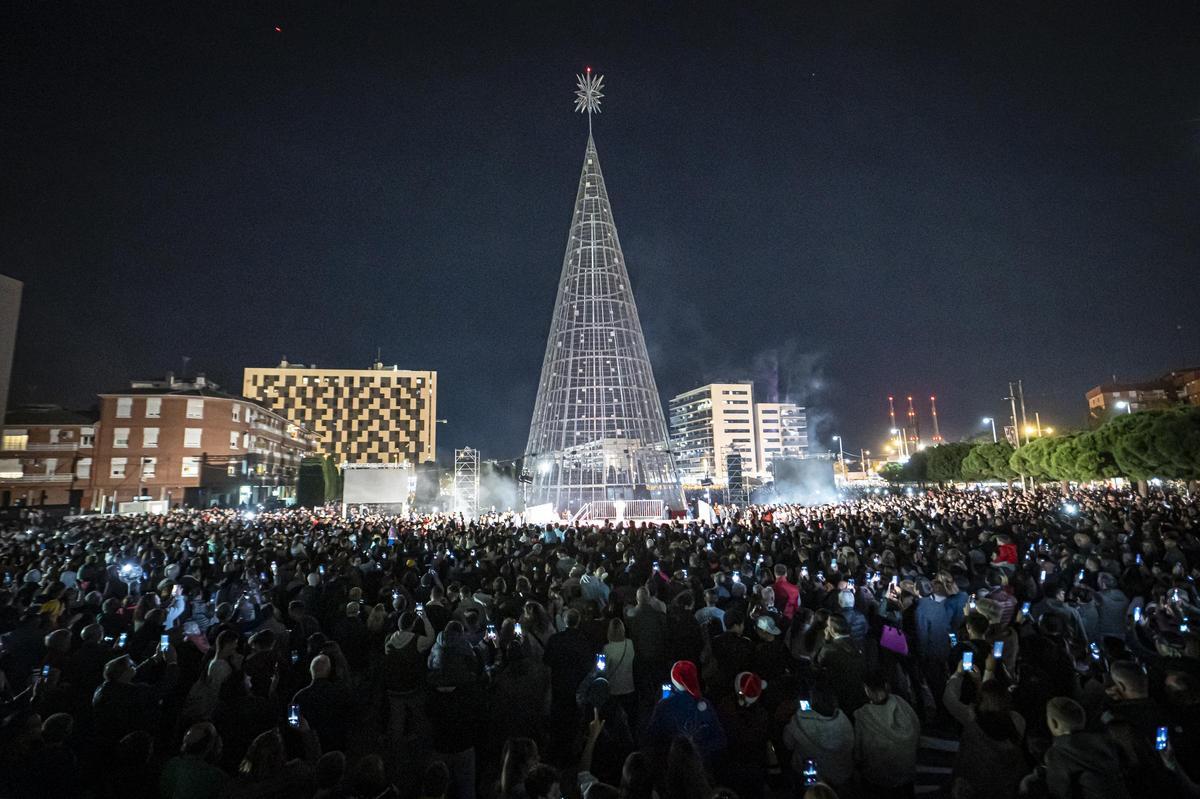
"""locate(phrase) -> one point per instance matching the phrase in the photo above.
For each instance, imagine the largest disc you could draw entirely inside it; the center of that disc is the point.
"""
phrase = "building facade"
(10, 311)
(781, 431)
(711, 422)
(707, 425)
(1179, 387)
(186, 442)
(46, 457)
(379, 415)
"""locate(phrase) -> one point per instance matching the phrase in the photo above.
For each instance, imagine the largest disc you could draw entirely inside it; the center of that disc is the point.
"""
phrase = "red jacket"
(787, 597)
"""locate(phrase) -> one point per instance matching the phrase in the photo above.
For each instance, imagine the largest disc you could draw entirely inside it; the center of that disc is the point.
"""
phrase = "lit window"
(191, 466)
(116, 468)
(87, 437)
(191, 437)
(16, 440)
(153, 407)
(120, 437)
(149, 465)
(237, 412)
(124, 407)
(233, 439)
(149, 437)
(195, 409)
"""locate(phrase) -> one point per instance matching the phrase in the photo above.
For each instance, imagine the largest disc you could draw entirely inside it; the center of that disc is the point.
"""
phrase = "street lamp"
(992, 422)
(841, 455)
(1125, 406)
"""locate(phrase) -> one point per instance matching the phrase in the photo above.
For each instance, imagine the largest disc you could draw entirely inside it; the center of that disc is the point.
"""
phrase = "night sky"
(906, 197)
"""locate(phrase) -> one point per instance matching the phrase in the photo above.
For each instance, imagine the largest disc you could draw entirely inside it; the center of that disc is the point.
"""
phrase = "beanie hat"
(749, 687)
(685, 678)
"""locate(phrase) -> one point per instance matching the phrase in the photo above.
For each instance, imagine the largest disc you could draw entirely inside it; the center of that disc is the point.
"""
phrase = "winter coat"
(886, 738)
(828, 741)
(1084, 765)
(1112, 605)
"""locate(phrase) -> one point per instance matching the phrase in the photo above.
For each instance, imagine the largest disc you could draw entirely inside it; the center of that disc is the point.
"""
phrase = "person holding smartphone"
(618, 667)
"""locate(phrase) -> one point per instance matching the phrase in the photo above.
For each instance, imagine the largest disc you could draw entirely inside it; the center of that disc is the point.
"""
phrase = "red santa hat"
(685, 678)
(749, 687)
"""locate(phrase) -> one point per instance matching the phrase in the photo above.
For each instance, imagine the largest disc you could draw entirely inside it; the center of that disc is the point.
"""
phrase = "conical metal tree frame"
(598, 430)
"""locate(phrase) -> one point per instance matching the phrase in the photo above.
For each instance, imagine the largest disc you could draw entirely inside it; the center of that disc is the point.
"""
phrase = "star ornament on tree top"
(587, 93)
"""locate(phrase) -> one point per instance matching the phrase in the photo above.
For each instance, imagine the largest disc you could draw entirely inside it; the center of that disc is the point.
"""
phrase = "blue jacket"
(681, 714)
(933, 633)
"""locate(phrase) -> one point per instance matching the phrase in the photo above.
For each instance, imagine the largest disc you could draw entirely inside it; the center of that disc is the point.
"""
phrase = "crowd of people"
(781, 651)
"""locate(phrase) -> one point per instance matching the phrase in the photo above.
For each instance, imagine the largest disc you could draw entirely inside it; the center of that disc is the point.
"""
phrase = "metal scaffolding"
(466, 482)
(598, 432)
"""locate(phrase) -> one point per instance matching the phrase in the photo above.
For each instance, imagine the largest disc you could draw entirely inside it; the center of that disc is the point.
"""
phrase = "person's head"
(977, 626)
(264, 757)
(321, 667)
(846, 599)
(119, 670)
(435, 781)
(57, 728)
(820, 791)
(616, 631)
(1128, 681)
(520, 755)
(780, 571)
(542, 782)
(824, 701)
(685, 771)
(296, 610)
(572, 618)
(92, 634)
(330, 770)
(994, 699)
(875, 686)
(637, 777)
(369, 778)
(735, 622)
(262, 641)
(352, 610)
(711, 598)
(134, 751)
(1064, 716)
(643, 595)
(837, 627)
(201, 741)
(59, 641)
(766, 628)
(748, 687)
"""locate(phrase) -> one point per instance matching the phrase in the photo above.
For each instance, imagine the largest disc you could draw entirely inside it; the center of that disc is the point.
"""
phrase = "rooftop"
(34, 415)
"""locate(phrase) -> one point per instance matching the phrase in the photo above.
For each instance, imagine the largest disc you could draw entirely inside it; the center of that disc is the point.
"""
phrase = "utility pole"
(1024, 421)
(1012, 401)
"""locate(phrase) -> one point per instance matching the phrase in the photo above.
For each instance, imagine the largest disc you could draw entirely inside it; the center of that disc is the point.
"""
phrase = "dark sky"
(881, 197)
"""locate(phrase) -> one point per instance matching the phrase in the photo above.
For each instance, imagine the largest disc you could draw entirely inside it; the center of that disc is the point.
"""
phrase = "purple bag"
(894, 640)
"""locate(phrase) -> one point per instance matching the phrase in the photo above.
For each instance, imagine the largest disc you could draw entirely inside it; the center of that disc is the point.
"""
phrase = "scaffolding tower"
(466, 482)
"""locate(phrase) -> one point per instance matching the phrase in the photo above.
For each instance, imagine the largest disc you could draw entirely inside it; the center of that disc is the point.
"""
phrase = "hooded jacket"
(826, 740)
(886, 737)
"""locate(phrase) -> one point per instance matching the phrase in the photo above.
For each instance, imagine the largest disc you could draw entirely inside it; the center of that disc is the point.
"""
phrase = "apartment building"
(46, 457)
(379, 415)
(187, 442)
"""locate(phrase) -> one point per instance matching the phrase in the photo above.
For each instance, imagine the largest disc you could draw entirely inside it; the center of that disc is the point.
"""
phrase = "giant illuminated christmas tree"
(598, 433)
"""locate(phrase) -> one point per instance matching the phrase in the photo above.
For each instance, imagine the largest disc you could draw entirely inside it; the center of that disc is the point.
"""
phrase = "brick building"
(46, 456)
(1179, 387)
(188, 442)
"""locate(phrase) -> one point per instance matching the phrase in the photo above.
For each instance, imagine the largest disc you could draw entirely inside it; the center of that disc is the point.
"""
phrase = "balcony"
(39, 447)
(40, 478)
